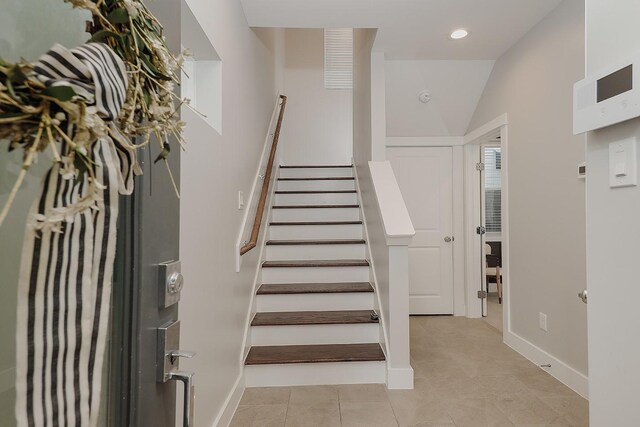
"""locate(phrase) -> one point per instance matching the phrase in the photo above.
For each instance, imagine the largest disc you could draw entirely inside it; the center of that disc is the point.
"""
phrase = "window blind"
(338, 58)
(493, 189)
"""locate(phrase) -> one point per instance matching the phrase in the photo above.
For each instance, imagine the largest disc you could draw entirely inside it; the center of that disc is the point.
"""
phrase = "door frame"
(473, 251)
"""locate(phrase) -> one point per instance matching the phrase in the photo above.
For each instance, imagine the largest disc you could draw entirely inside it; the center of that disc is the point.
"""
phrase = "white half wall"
(533, 84)
(613, 237)
(214, 168)
(455, 87)
(318, 126)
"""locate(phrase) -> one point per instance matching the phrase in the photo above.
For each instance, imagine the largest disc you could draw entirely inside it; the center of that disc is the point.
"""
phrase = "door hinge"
(480, 166)
(481, 230)
(482, 294)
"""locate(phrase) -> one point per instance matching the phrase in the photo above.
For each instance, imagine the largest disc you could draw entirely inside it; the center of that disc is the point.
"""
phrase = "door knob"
(583, 296)
(448, 239)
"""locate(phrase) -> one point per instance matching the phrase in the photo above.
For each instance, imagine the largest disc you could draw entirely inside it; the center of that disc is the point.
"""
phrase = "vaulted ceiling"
(413, 29)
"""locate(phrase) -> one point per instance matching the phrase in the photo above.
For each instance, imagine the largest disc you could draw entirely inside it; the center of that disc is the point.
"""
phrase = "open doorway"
(491, 233)
(486, 219)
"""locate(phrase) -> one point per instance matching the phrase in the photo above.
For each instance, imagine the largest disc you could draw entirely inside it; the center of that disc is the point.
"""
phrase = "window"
(493, 189)
(338, 58)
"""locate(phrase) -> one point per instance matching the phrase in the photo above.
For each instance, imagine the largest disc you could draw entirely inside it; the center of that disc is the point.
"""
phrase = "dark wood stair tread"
(315, 206)
(282, 318)
(316, 242)
(314, 288)
(288, 223)
(316, 167)
(323, 178)
(317, 263)
(317, 192)
(281, 354)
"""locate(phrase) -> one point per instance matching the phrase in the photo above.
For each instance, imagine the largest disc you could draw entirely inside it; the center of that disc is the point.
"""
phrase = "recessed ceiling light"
(459, 34)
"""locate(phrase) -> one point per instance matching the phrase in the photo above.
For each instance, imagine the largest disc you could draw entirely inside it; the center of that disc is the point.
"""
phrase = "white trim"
(505, 240)
(493, 125)
(459, 300)
(564, 373)
(378, 107)
(400, 378)
(396, 221)
(230, 403)
(425, 141)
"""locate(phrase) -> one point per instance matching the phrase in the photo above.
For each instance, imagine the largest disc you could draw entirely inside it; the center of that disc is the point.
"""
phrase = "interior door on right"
(425, 177)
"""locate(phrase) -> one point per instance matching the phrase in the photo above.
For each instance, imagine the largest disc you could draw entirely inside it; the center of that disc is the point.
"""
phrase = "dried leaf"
(166, 149)
(102, 35)
(61, 93)
(118, 16)
(16, 75)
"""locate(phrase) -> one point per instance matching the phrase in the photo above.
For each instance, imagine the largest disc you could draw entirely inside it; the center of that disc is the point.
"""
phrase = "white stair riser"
(301, 232)
(315, 374)
(347, 184)
(315, 172)
(310, 252)
(316, 214)
(317, 199)
(315, 274)
(315, 334)
(315, 302)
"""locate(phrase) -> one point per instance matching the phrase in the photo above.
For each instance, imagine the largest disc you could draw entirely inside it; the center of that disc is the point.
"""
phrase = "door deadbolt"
(170, 283)
(175, 281)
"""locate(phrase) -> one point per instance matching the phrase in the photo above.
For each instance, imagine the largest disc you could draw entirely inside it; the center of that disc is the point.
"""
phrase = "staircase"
(315, 321)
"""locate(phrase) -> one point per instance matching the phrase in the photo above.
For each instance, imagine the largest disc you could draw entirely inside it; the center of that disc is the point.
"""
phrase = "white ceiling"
(413, 29)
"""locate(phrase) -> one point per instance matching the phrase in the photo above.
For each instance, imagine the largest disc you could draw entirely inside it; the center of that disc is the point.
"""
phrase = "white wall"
(455, 86)
(215, 300)
(613, 237)
(533, 83)
(318, 126)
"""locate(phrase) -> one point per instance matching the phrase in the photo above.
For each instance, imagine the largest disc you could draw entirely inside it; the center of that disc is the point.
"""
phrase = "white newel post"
(398, 233)
(399, 371)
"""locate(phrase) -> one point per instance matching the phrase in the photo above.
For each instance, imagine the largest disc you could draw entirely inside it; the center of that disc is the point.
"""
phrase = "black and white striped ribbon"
(66, 273)
(92, 70)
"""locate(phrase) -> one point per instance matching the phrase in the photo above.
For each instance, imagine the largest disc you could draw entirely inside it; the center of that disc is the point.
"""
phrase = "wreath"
(38, 112)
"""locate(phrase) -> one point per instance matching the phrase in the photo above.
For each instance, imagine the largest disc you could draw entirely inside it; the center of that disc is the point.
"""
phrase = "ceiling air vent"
(338, 58)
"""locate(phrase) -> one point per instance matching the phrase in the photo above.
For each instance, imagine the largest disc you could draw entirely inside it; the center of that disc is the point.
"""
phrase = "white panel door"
(425, 177)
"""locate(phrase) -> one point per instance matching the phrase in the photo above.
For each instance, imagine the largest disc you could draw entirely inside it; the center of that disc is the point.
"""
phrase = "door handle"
(449, 239)
(583, 296)
(189, 396)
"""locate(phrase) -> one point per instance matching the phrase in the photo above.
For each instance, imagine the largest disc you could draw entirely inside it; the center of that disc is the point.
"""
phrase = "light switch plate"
(623, 163)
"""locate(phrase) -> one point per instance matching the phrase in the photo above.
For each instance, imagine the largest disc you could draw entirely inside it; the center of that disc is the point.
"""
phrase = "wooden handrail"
(255, 231)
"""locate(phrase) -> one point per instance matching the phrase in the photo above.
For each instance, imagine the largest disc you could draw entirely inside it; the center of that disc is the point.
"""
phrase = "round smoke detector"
(424, 96)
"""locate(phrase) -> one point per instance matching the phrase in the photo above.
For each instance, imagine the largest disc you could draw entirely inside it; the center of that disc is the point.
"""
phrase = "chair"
(493, 270)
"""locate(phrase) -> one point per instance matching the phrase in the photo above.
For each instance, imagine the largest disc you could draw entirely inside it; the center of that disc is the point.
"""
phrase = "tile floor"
(465, 376)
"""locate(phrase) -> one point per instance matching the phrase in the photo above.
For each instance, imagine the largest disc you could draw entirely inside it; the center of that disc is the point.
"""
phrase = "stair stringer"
(257, 279)
(384, 337)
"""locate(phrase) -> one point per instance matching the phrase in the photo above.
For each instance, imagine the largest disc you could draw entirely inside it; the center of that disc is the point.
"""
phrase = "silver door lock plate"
(171, 283)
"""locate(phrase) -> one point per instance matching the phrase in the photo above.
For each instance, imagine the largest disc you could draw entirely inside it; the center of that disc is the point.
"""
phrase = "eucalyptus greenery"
(34, 117)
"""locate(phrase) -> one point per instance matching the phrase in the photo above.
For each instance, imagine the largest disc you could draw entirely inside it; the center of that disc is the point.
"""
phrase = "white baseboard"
(231, 403)
(564, 373)
(400, 378)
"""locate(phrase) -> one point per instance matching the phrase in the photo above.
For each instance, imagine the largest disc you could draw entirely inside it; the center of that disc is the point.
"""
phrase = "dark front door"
(148, 237)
